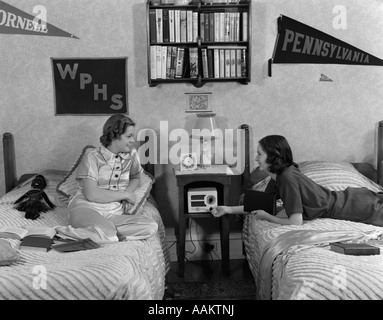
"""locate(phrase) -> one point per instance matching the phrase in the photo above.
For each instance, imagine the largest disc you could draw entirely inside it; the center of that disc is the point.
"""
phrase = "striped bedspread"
(129, 270)
(313, 271)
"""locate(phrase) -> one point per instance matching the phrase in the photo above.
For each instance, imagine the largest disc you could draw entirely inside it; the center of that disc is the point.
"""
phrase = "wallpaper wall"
(322, 120)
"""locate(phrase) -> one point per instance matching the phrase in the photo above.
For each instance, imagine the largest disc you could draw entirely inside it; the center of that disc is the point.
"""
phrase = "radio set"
(201, 199)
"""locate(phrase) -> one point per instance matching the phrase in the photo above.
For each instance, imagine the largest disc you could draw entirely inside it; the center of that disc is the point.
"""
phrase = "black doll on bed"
(32, 201)
(304, 199)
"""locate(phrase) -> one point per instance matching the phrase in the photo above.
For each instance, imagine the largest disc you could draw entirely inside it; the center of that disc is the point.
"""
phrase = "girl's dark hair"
(114, 127)
(279, 155)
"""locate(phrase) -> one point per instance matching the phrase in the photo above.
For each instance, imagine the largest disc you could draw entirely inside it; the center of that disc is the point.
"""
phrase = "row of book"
(168, 25)
(172, 62)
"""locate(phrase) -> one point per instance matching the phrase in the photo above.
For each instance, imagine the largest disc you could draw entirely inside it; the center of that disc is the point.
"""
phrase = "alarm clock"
(188, 161)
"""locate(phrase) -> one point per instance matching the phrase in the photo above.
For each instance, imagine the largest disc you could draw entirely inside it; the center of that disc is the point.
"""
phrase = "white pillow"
(337, 176)
(52, 178)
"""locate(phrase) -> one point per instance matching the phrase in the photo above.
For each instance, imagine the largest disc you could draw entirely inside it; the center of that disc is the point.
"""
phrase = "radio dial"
(210, 199)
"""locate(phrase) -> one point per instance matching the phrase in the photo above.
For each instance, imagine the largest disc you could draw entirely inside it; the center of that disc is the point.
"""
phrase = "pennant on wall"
(299, 43)
(16, 21)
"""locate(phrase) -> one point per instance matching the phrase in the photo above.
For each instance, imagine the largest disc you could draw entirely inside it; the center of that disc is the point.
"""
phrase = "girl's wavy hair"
(114, 127)
(279, 154)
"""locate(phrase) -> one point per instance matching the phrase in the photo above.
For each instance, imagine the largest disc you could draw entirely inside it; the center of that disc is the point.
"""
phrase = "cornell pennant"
(300, 43)
(11, 20)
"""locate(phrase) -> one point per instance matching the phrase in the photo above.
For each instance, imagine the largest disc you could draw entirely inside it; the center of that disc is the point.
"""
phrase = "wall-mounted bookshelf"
(204, 41)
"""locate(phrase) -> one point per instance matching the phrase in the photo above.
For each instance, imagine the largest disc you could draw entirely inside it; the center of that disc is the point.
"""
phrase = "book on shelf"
(207, 27)
(237, 18)
(183, 25)
(244, 26)
(356, 249)
(202, 26)
(216, 63)
(195, 26)
(233, 63)
(152, 25)
(244, 63)
(193, 60)
(164, 51)
(177, 25)
(171, 26)
(232, 26)
(216, 27)
(158, 62)
(211, 26)
(19, 233)
(165, 25)
(153, 62)
(205, 69)
(226, 36)
(227, 63)
(159, 25)
(221, 63)
(180, 62)
(210, 62)
(173, 63)
(168, 61)
(189, 26)
(239, 63)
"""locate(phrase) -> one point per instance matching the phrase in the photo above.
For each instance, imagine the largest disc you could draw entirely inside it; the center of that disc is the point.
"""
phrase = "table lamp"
(206, 130)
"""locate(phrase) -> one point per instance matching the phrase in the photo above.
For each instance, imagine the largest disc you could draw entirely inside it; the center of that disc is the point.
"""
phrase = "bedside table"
(218, 176)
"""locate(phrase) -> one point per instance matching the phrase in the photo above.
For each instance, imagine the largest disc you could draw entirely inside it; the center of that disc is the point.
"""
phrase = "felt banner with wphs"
(299, 43)
(90, 86)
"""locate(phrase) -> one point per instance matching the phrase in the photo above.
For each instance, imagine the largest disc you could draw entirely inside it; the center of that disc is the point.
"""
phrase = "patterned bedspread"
(304, 270)
(126, 270)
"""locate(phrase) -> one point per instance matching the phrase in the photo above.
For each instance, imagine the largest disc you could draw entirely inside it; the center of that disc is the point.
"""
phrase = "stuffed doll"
(32, 201)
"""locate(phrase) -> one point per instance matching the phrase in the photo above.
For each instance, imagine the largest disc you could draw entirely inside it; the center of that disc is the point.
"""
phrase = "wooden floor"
(209, 270)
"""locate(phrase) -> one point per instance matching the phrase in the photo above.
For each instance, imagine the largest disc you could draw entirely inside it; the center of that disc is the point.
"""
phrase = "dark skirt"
(358, 204)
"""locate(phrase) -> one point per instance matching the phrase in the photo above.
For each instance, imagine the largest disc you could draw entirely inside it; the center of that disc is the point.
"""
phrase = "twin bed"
(295, 262)
(128, 270)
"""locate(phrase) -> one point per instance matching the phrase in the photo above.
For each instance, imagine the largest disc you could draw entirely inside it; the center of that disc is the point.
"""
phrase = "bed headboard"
(10, 173)
(380, 153)
(245, 177)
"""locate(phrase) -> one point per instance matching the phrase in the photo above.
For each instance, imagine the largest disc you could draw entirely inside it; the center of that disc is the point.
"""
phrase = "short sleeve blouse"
(110, 171)
(300, 194)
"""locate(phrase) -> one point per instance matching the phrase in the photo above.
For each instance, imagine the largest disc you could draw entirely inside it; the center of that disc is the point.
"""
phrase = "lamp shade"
(205, 126)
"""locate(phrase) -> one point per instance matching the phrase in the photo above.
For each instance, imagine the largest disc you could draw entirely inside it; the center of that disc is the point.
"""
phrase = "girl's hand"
(218, 211)
(260, 214)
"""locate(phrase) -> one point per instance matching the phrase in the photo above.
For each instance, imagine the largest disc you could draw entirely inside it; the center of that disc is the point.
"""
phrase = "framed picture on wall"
(198, 102)
(90, 86)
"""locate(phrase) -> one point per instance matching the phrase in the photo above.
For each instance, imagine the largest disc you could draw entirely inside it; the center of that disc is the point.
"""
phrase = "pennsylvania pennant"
(299, 43)
(16, 21)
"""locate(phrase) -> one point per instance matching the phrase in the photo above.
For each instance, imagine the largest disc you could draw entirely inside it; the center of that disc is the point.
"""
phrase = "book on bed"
(259, 200)
(38, 238)
(19, 233)
(356, 249)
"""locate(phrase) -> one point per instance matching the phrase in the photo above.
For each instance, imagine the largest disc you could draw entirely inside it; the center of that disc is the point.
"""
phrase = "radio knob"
(210, 199)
